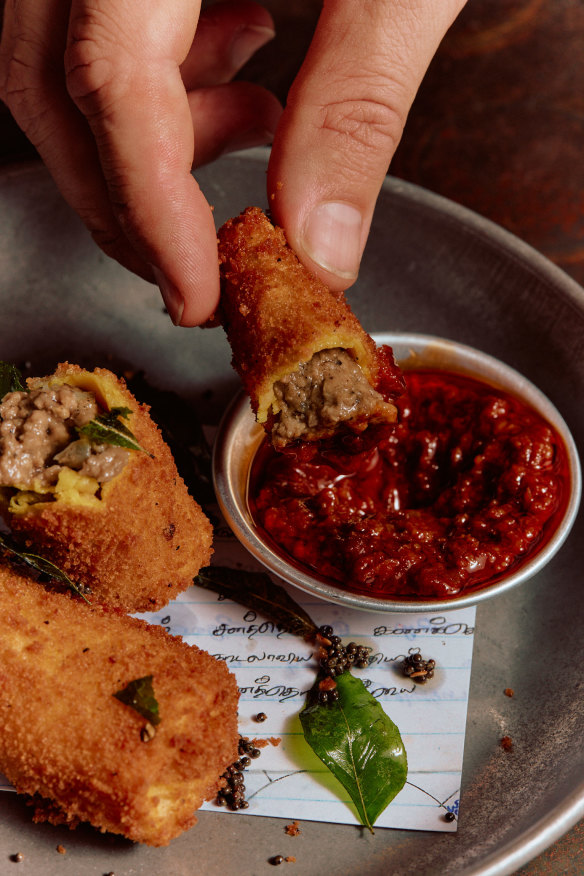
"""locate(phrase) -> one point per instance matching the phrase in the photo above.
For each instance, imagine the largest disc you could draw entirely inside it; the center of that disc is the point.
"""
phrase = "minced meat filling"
(329, 389)
(38, 438)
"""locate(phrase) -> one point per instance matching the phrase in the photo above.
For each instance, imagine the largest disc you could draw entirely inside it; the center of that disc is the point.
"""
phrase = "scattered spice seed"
(232, 794)
(17, 858)
(61, 849)
(292, 829)
(261, 717)
(334, 660)
(450, 816)
(414, 666)
(507, 743)
(509, 692)
(277, 859)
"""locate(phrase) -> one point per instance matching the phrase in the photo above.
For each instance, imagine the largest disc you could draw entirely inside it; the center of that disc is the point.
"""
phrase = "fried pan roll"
(83, 754)
(301, 353)
(119, 521)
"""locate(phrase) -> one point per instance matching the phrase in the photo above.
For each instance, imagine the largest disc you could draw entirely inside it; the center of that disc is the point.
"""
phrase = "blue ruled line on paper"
(274, 670)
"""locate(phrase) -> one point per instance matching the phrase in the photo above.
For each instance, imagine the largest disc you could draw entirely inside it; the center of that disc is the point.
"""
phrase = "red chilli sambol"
(459, 492)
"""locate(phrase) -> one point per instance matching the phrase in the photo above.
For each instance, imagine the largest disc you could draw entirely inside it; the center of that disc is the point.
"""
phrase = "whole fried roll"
(80, 752)
(301, 353)
(117, 520)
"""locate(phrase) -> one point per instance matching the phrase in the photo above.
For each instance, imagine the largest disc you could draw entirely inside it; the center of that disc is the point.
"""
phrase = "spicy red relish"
(465, 487)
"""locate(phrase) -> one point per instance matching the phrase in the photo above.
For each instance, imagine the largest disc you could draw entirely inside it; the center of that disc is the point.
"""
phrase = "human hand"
(120, 107)
(343, 121)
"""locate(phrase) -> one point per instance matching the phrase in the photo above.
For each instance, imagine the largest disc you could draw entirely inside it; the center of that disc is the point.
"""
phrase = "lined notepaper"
(274, 670)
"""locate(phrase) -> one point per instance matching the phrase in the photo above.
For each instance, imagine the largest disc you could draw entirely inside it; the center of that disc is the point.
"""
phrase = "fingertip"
(185, 261)
(173, 299)
(325, 226)
(191, 302)
(198, 309)
(228, 35)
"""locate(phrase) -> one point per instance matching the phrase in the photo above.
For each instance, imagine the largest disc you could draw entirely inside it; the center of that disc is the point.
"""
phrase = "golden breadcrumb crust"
(145, 540)
(277, 314)
(65, 737)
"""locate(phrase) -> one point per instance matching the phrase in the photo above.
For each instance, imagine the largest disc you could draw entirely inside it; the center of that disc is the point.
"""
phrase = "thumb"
(343, 121)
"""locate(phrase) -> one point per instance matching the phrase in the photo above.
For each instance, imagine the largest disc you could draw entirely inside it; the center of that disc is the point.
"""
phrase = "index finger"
(123, 74)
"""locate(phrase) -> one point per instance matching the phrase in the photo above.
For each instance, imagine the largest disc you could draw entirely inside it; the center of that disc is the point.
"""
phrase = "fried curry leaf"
(41, 565)
(11, 379)
(139, 695)
(257, 591)
(108, 428)
(360, 745)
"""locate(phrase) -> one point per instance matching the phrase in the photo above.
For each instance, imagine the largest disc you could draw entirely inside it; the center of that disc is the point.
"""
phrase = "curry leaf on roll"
(11, 379)
(41, 565)
(360, 745)
(139, 695)
(71, 505)
(79, 753)
(108, 428)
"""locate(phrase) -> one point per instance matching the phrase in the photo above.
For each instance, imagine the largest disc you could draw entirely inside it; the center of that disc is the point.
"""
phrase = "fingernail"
(247, 41)
(332, 238)
(173, 300)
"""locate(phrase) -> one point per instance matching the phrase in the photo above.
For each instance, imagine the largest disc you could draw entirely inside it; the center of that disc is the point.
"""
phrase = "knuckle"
(14, 89)
(25, 94)
(89, 76)
(368, 124)
(21, 82)
(93, 66)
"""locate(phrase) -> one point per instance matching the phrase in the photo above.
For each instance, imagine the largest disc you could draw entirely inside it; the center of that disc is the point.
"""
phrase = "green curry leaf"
(11, 379)
(41, 565)
(108, 428)
(257, 591)
(139, 695)
(360, 745)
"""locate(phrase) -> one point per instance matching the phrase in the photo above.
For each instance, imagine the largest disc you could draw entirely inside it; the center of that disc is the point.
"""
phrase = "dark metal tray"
(430, 267)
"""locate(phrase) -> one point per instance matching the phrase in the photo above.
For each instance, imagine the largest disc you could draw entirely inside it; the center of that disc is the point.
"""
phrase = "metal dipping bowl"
(239, 437)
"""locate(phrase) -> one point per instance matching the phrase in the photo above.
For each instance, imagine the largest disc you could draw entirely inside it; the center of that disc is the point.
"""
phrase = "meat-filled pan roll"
(87, 481)
(107, 719)
(301, 353)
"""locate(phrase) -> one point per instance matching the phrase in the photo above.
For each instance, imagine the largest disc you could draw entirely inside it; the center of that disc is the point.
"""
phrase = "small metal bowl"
(239, 437)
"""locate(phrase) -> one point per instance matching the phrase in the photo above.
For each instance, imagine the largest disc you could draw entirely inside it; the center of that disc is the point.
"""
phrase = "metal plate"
(430, 267)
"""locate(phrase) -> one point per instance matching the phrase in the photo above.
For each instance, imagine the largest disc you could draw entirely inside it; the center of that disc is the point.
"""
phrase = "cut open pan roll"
(301, 353)
(108, 508)
(70, 739)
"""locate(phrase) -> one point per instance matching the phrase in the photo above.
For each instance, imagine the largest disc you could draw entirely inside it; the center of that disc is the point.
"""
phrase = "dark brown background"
(498, 125)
